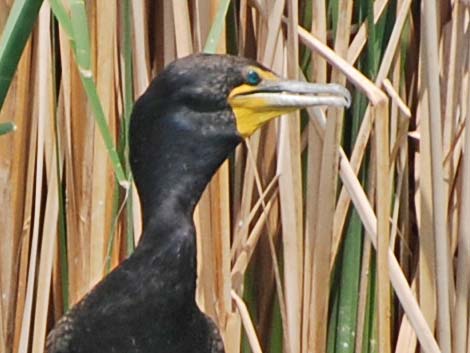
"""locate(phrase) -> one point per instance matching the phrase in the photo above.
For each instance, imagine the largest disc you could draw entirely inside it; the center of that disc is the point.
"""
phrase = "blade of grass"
(361, 37)
(349, 287)
(215, 33)
(362, 313)
(370, 339)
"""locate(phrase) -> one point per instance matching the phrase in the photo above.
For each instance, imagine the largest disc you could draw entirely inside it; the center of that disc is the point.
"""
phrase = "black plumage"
(182, 128)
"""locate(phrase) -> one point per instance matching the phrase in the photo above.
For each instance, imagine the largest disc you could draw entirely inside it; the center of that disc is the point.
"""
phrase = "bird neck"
(169, 185)
(171, 174)
(169, 204)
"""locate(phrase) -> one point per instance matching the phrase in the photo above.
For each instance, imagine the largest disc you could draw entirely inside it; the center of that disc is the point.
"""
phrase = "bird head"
(200, 107)
(220, 94)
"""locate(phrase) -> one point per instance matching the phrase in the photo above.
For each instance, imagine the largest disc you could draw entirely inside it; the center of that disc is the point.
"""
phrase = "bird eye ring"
(253, 78)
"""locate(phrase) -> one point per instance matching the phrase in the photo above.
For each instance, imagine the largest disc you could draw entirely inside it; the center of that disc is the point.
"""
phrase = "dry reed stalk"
(396, 99)
(26, 247)
(48, 242)
(266, 260)
(169, 45)
(406, 341)
(140, 56)
(247, 323)
(184, 45)
(17, 198)
(58, 285)
(383, 224)
(222, 243)
(290, 191)
(102, 178)
(242, 261)
(461, 325)
(288, 188)
(426, 279)
(24, 232)
(77, 127)
(141, 71)
(246, 246)
(315, 148)
(343, 33)
(324, 227)
(43, 112)
(323, 251)
(241, 226)
(270, 31)
(430, 62)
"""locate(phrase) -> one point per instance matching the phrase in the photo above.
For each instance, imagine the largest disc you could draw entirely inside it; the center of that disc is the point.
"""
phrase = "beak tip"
(344, 93)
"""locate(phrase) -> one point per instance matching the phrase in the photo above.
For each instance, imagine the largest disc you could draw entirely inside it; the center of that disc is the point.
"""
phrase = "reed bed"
(337, 231)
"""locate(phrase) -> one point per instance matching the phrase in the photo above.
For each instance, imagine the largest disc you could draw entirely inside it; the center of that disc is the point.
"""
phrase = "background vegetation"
(319, 235)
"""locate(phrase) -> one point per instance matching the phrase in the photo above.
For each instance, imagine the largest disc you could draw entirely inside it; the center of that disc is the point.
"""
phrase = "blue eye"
(253, 78)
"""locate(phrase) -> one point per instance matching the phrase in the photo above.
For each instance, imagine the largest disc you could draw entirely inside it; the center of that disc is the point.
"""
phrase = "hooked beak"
(253, 106)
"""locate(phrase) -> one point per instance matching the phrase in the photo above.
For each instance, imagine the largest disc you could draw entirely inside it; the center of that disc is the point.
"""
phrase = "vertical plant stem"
(461, 323)
(126, 19)
(431, 58)
(383, 228)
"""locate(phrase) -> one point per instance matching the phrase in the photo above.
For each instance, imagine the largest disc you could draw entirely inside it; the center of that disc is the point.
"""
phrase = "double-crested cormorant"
(182, 128)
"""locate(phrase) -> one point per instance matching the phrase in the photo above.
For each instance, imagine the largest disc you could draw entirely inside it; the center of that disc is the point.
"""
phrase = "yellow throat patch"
(252, 112)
